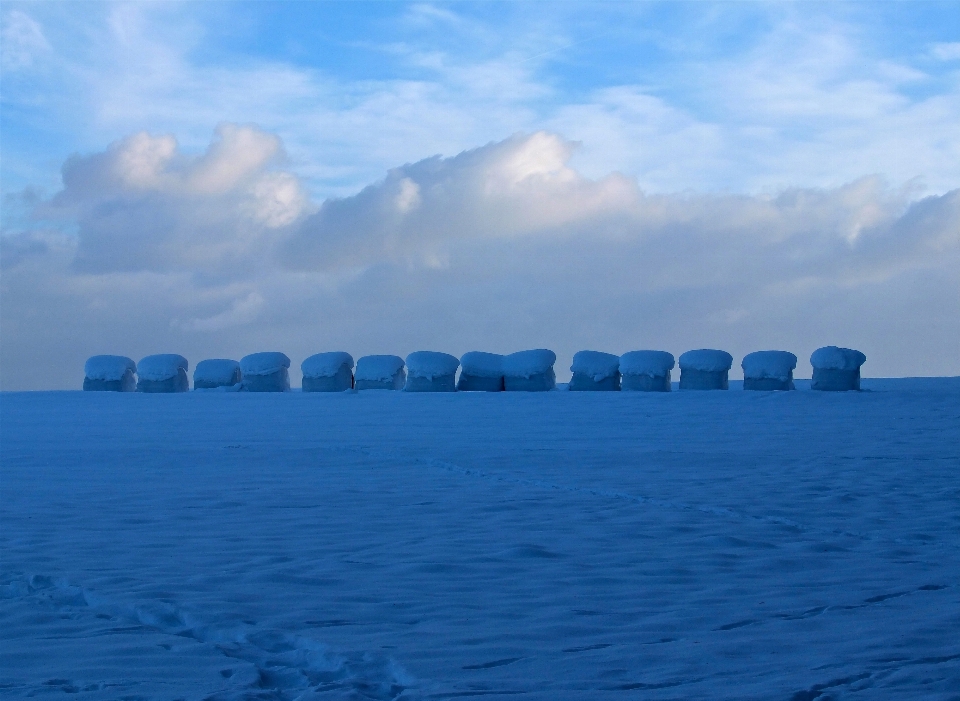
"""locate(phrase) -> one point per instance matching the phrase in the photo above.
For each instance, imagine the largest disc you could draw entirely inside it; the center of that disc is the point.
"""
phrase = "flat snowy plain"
(691, 545)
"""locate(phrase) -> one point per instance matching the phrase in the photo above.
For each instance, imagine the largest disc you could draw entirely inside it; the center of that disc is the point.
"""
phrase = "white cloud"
(144, 205)
(242, 311)
(946, 51)
(21, 41)
(502, 247)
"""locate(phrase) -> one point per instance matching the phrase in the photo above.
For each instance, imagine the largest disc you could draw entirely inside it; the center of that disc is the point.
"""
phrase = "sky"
(220, 178)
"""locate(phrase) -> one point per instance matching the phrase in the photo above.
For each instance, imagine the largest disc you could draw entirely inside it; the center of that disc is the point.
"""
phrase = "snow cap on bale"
(768, 370)
(530, 371)
(108, 367)
(646, 371)
(162, 366)
(109, 373)
(528, 363)
(595, 364)
(706, 360)
(593, 370)
(481, 372)
(834, 358)
(215, 373)
(380, 372)
(836, 369)
(430, 371)
(378, 367)
(265, 363)
(327, 372)
(778, 365)
(430, 364)
(326, 364)
(480, 364)
(705, 369)
(265, 372)
(647, 362)
(165, 372)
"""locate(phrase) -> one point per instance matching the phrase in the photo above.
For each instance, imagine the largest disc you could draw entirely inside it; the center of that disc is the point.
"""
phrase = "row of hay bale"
(834, 369)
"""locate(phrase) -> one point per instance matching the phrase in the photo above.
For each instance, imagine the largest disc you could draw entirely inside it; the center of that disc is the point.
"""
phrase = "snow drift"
(481, 372)
(109, 373)
(530, 371)
(595, 371)
(265, 372)
(380, 372)
(705, 369)
(217, 373)
(430, 371)
(836, 369)
(162, 373)
(768, 370)
(646, 370)
(328, 372)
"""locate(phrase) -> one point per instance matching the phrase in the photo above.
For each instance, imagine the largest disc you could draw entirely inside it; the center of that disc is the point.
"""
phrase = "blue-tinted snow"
(690, 545)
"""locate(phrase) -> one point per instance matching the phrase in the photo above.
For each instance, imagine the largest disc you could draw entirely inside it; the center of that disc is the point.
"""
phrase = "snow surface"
(156, 368)
(326, 364)
(431, 364)
(378, 368)
(526, 364)
(706, 360)
(833, 358)
(265, 363)
(379, 545)
(596, 365)
(480, 364)
(108, 367)
(215, 371)
(774, 364)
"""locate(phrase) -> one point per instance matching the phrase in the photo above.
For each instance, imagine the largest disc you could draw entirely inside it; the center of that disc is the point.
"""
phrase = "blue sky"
(345, 84)
(720, 105)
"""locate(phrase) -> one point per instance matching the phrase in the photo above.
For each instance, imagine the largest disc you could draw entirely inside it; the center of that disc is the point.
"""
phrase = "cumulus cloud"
(512, 188)
(501, 247)
(144, 205)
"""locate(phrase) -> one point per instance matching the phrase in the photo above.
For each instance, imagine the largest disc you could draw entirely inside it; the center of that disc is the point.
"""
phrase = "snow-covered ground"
(560, 545)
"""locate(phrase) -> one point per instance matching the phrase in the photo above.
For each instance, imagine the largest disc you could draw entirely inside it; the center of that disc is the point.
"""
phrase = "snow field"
(381, 545)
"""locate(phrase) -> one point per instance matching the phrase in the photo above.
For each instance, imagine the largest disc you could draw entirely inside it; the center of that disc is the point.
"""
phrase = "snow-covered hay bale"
(430, 371)
(836, 369)
(109, 373)
(595, 371)
(380, 372)
(481, 372)
(768, 370)
(529, 371)
(705, 369)
(217, 373)
(328, 372)
(265, 372)
(162, 373)
(646, 371)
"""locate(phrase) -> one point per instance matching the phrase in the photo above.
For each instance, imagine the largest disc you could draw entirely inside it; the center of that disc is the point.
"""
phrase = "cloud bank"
(150, 249)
